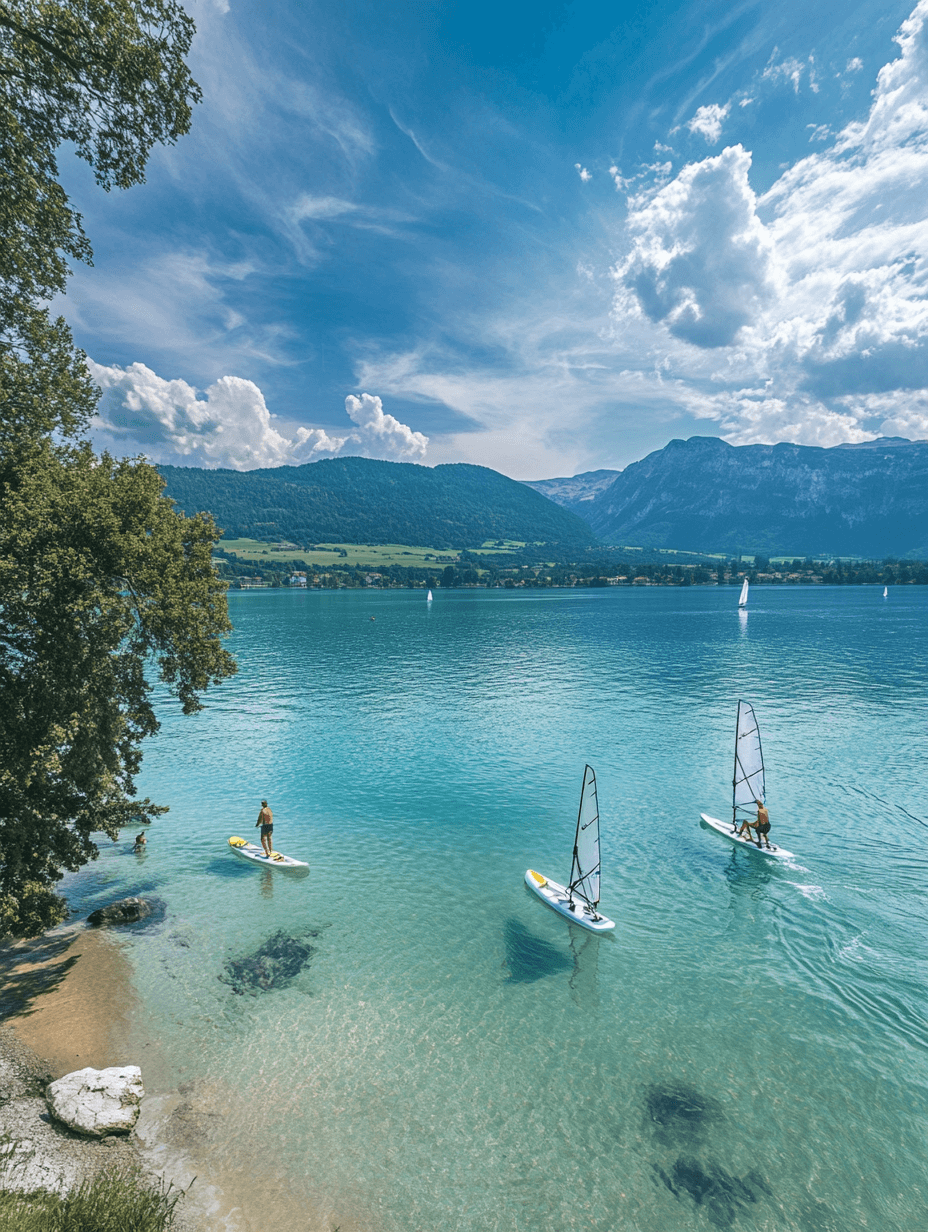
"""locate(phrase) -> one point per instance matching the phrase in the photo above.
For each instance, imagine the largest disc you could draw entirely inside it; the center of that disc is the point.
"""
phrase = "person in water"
(140, 841)
(266, 822)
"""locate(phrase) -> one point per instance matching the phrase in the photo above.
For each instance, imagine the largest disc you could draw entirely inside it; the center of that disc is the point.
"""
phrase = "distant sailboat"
(579, 899)
(743, 601)
(885, 592)
(428, 597)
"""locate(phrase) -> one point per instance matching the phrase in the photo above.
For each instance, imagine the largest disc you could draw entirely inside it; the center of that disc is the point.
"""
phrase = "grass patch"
(340, 555)
(115, 1200)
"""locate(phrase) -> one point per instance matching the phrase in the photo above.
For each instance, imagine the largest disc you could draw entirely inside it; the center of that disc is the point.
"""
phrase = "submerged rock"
(275, 964)
(679, 1114)
(126, 911)
(97, 1102)
(723, 1195)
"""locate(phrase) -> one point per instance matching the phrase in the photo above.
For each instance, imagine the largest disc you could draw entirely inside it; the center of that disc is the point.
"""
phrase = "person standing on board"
(266, 822)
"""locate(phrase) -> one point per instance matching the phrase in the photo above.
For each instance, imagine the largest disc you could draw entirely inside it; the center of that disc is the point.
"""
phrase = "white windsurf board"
(557, 898)
(725, 829)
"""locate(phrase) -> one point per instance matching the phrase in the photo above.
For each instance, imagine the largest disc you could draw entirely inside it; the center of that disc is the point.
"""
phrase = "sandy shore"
(66, 1000)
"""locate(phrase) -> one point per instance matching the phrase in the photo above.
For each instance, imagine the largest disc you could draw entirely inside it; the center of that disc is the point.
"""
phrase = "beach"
(67, 1002)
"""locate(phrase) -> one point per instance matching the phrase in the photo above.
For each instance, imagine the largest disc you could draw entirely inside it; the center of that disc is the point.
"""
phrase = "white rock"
(97, 1101)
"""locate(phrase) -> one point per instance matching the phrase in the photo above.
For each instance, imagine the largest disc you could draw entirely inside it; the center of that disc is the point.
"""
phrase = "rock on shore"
(97, 1102)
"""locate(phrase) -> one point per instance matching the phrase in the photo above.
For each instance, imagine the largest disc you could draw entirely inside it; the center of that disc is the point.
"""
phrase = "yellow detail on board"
(237, 842)
(537, 878)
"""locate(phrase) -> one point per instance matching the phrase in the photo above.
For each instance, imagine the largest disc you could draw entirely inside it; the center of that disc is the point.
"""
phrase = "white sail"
(743, 601)
(748, 784)
(584, 871)
(885, 591)
(428, 597)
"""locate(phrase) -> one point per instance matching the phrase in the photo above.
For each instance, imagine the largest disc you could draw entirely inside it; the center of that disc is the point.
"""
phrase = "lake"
(748, 1050)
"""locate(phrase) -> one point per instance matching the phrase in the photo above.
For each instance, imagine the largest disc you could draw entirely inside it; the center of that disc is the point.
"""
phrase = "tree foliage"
(101, 580)
(108, 76)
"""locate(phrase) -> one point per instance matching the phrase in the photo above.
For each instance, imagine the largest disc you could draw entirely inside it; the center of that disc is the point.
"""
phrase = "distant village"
(467, 573)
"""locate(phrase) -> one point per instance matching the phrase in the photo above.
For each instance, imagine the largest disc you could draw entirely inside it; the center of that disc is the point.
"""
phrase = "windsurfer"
(266, 822)
(761, 825)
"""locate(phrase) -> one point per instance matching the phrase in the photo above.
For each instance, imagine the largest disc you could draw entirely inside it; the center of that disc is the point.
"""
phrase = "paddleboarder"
(266, 822)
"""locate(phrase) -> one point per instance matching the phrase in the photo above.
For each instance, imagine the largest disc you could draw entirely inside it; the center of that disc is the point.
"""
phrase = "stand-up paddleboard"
(248, 851)
(725, 829)
(578, 901)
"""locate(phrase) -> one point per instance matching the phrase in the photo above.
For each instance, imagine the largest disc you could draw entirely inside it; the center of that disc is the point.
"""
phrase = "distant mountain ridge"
(704, 495)
(362, 500)
(576, 491)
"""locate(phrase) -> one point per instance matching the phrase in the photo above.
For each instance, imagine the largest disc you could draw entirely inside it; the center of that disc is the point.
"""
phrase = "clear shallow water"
(749, 1050)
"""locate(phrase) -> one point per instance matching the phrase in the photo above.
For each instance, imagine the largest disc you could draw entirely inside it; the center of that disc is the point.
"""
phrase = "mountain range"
(703, 495)
(699, 495)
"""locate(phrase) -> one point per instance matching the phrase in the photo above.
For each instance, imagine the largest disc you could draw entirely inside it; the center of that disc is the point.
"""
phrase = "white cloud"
(708, 121)
(855, 65)
(230, 426)
(583, 173)
(700, 260)
(802, 315)
(381, 435)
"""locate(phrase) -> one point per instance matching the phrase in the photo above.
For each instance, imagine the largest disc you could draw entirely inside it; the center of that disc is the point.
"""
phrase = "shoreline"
(66, 1002)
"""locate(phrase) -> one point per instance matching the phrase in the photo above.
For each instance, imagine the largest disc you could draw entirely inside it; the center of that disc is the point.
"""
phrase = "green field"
(338, 555)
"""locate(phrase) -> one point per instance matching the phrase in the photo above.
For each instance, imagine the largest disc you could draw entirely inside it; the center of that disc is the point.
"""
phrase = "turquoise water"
(748, 1050)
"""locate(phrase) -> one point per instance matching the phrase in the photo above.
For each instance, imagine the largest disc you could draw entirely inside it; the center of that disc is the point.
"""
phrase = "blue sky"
(542, 237)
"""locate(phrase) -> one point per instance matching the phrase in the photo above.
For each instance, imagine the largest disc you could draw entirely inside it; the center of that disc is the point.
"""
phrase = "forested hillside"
(360, 500)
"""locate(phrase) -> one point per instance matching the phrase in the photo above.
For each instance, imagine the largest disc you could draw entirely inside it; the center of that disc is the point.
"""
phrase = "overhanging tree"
(101, 581)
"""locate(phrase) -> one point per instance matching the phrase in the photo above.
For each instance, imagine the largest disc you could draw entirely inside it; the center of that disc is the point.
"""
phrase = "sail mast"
(585, 866)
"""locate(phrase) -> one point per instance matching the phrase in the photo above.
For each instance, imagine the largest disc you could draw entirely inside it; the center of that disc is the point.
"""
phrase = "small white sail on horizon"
(579, 899)
(743, 601)
(885, 592)
(428, 597)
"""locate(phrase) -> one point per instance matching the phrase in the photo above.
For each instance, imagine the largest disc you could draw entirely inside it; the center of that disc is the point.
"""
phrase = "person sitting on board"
(763, 824)
(763, 819)
(266, 822)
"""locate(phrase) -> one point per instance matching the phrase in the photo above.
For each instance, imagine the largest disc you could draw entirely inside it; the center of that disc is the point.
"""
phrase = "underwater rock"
(275, 964)
(679, 1114)
(126, 911)
(723, 1196)
(529, 957)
